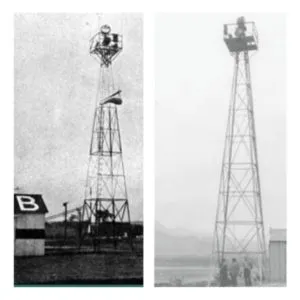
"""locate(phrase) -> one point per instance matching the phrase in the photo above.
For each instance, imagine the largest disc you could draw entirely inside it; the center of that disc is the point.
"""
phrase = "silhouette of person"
(223, 273)
(234, 270)
(247, 272)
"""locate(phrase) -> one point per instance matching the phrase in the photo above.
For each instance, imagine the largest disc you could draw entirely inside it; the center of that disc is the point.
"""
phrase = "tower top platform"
(241, 36)
(105, 46)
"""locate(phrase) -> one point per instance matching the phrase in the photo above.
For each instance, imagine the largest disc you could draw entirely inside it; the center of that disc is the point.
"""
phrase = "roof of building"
(29, 204)
(277, 235)
(137, 222)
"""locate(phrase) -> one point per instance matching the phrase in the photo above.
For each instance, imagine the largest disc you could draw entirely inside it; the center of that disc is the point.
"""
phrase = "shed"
(277, 255)
(29, 223)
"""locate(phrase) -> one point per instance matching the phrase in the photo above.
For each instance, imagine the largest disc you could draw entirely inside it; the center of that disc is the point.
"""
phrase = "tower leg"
(239, 227)
(106, 192)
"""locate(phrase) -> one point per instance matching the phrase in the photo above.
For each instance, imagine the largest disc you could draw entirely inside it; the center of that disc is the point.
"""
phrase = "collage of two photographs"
(220, 150)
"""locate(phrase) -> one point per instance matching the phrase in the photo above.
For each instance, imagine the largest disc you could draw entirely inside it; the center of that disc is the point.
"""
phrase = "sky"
(55, 91)
(193, 75)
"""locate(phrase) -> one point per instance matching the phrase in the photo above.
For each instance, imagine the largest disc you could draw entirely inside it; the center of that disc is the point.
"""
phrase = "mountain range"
(178, 241)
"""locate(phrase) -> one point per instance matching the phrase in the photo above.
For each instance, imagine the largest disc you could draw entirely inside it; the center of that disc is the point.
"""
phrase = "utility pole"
(65, 204)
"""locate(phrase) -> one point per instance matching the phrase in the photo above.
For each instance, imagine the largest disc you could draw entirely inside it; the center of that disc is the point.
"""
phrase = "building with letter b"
(29, 223)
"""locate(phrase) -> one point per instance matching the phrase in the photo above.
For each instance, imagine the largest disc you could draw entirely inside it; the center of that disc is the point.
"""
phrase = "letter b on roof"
(27, 203)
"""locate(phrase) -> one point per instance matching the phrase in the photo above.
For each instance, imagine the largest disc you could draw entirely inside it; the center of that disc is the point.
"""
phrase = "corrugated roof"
(29, 204)
(277, 235)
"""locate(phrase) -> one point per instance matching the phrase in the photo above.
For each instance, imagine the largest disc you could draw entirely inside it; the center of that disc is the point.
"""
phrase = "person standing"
(234, 270)
(247, 272)
(223, 273)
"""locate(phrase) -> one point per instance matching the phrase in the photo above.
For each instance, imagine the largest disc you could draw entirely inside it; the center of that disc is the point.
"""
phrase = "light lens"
(105, 29)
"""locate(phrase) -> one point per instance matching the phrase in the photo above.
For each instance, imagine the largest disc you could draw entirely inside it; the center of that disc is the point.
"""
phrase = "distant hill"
(180, 242)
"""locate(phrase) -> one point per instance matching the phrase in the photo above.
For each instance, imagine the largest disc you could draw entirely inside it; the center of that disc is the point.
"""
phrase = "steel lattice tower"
(239, 226)
(106, 202)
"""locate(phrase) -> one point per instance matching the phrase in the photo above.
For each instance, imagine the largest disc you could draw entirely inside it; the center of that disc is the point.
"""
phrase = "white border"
(149, 7)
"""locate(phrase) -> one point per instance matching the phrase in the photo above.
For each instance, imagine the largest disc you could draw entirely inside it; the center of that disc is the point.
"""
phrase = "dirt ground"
(93, 268)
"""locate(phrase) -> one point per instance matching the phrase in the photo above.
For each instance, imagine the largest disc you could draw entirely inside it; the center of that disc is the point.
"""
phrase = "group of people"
(229, 272)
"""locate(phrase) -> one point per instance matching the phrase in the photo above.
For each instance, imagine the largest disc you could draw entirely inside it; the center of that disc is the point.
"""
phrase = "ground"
(214, 284)
(179, 284)
(88, 268)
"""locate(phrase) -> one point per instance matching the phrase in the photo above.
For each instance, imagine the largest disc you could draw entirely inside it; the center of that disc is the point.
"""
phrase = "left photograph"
(78, 149)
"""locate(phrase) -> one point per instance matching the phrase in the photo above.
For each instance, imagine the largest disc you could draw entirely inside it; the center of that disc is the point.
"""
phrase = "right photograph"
(220, 150)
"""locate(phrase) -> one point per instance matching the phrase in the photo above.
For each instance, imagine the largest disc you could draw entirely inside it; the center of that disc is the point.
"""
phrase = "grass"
(80, 269)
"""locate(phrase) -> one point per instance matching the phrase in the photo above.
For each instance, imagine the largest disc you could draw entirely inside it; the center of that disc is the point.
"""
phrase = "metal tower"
(239, 226)
(106, 203)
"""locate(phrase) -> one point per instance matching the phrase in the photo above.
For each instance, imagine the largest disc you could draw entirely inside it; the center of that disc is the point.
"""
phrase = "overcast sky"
(193, 74)
(55, 90)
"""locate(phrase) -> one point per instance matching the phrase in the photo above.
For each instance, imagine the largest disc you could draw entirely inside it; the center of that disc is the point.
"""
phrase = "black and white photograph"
(78, 149)
(220, 150)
